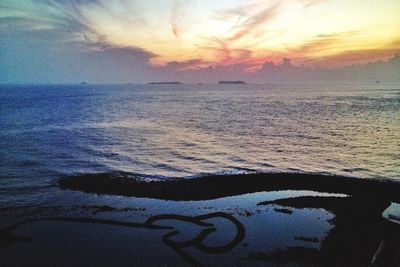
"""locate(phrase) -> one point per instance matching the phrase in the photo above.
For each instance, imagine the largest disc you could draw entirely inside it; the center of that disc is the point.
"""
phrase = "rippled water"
(187, 130)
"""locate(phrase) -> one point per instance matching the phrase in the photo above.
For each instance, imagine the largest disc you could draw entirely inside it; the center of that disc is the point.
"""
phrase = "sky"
(118, 41)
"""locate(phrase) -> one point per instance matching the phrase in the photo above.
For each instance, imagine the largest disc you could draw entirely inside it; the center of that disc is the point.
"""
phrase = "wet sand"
(227, 224)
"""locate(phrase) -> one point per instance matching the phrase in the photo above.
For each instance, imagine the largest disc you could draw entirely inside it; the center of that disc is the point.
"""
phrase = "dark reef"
(215, 186)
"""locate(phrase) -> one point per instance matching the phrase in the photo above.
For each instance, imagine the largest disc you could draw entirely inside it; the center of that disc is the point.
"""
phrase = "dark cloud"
(48, 56)
(52, 42)
(286, 72)
(184, 65)
(126, 53)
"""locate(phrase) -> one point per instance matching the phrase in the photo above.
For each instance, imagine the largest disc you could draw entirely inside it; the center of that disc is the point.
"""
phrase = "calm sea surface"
(162, 131)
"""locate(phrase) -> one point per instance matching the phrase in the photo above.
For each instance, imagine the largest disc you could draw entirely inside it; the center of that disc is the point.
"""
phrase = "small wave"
(237, 159)
(267, 165)
(28, 188)
(168, 167)
(28, 163)
(242, 169)
(354, 170)
(191, 158)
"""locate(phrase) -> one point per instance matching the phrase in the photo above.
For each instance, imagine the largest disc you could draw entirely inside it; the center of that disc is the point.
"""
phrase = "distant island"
(165, 83)
(231, 82)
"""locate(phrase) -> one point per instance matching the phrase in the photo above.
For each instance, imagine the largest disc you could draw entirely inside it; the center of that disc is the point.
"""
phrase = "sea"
(164, 131)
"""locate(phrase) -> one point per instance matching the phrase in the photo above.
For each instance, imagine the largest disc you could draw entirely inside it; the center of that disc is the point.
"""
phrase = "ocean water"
(164, 131)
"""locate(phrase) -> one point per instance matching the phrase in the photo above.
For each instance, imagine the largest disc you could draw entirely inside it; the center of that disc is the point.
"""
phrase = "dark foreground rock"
(359, 230)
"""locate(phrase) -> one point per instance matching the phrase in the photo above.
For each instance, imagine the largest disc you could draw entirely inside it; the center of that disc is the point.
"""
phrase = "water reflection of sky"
(188, 130)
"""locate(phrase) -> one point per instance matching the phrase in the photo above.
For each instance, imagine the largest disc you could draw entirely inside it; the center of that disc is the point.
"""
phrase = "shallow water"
(162, 131)
(265, 230)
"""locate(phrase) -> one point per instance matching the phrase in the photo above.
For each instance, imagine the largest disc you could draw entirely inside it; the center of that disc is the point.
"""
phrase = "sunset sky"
(187, 35)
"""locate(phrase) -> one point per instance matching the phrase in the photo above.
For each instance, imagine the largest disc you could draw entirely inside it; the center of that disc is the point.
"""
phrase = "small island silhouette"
(165, 83)
(231, 82)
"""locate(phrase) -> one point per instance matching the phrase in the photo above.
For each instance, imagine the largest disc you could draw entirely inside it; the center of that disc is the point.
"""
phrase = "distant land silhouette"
(165, 83)
(231, 82)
